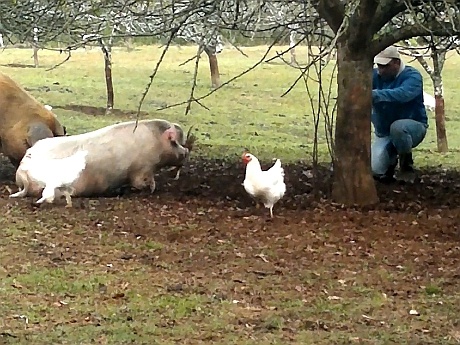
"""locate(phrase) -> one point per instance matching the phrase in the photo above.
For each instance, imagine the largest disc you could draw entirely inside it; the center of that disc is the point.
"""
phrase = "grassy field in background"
(249, 112)
(196, 262)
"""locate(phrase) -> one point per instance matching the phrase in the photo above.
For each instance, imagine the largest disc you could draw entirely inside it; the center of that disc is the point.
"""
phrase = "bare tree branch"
(361, 19)
(152, 76)
(69, 54)
(195, 74)
(404, 33)
(333, 11)
(387, 10)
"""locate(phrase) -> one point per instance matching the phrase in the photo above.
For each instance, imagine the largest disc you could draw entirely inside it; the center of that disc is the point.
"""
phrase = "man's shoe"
(406, 162)
(406, 176)
(384, 179)
(388, 177)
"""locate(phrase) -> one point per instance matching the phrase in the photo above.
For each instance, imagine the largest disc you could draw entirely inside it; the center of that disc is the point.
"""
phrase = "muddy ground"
(207, 182)
(207, 215)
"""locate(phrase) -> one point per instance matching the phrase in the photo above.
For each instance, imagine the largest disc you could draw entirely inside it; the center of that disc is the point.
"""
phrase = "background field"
(249, 112)
(196, 262)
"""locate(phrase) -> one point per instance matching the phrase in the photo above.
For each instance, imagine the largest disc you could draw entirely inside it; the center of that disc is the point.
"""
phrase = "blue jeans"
(404, 136)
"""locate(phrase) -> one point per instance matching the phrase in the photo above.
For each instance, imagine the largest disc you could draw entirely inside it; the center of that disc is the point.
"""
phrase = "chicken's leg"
(271, 211)
(68, 199)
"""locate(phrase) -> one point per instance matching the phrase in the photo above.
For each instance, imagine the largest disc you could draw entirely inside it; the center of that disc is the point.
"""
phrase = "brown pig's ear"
(36, 132)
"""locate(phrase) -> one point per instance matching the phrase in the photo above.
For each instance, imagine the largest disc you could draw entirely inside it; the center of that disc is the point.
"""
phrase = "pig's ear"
(170, 134)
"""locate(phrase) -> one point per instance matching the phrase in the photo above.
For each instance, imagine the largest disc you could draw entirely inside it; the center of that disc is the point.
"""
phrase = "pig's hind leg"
(22, 193)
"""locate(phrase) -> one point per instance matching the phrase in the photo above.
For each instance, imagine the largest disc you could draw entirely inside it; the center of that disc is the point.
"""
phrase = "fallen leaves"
(414, 312)
(60, 303)
(16, 285)
(118, 295)
(319, 267)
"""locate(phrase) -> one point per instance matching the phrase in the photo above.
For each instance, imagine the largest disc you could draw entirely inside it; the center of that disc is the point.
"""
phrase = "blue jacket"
(401, 98)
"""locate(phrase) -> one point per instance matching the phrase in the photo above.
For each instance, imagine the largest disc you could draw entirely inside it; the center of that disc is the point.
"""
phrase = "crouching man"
(398, 115)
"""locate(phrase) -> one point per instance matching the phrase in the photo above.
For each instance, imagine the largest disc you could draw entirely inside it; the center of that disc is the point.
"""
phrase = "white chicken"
(55, 177)
(266, 186)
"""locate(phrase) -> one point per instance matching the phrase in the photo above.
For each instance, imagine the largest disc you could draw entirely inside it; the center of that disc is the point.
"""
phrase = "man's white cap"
(385, 56)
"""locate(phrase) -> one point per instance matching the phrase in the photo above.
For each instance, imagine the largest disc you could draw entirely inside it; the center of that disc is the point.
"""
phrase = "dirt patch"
(315, 273)
(220, 180)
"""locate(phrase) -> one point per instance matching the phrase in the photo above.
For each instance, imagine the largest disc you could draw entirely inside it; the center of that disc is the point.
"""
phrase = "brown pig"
(113, 156)
(23, 120)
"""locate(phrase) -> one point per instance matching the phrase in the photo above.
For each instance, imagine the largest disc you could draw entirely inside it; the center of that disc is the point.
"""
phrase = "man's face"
(390, 70)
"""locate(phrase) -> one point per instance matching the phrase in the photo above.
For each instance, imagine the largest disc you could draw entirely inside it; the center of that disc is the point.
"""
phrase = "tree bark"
(353, 182)
(129, 43)
(214, 67)
(438, 56)
(439, 110)
(292, 45)
(108, 77)
(35, 47)
(440, 124)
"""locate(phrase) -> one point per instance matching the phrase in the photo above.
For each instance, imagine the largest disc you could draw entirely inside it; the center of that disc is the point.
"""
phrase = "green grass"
(67, 287)
(202, 281)
(247, 113)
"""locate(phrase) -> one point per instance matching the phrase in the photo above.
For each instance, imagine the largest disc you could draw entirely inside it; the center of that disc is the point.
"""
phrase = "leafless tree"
(359, 30)
(423, 49)
(365, 27)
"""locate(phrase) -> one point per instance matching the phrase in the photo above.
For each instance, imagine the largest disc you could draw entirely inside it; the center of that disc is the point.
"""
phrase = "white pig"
(117, 155)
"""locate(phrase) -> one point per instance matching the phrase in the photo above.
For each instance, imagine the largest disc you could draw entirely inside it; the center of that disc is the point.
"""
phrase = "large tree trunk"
(353, 182)
(213, 66)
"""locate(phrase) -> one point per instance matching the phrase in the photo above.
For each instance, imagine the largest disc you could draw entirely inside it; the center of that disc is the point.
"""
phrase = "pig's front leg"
(152, 185)
(142, 180)
(178, 173)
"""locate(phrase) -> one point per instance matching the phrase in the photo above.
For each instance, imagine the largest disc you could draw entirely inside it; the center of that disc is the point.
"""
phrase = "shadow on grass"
(98, 111)
(19, 65)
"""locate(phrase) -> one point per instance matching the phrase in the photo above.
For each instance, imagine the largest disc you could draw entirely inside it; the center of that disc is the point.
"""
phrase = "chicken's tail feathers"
(277, 163)
(277, 166)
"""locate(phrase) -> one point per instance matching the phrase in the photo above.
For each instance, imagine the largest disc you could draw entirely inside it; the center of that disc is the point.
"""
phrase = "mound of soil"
(221, 181)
